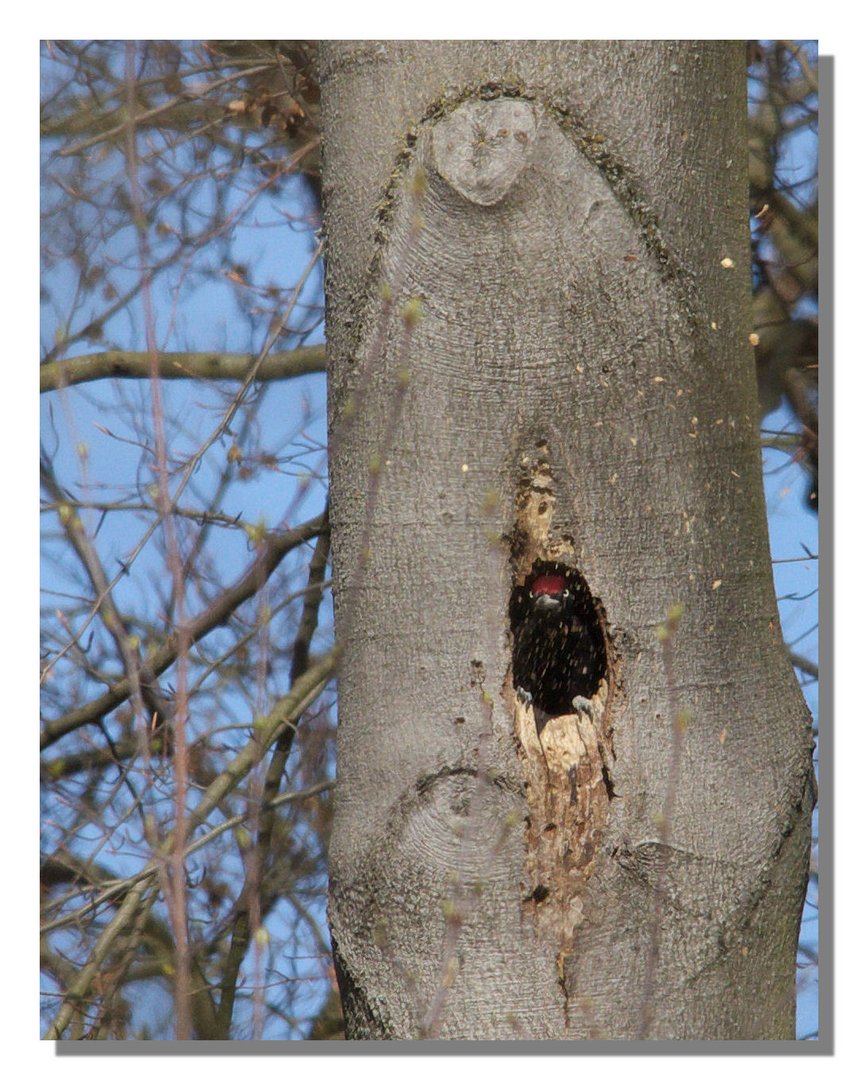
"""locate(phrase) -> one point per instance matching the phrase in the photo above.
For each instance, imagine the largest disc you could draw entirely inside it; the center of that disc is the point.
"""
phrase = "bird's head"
(548, 593)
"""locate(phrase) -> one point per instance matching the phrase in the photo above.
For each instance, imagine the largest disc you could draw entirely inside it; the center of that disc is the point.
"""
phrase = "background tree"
(187, 639)
(785, 241)
(186, 545)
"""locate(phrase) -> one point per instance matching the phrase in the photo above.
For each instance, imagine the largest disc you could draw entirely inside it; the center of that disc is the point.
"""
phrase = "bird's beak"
(547, 603)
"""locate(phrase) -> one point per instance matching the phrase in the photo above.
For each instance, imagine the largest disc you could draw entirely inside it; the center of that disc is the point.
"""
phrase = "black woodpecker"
(558, 647)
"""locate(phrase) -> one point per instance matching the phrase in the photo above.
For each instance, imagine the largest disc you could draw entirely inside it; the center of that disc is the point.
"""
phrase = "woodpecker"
(558, 654)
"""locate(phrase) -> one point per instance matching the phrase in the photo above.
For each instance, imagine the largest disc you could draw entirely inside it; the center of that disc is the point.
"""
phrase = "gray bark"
(577, 381)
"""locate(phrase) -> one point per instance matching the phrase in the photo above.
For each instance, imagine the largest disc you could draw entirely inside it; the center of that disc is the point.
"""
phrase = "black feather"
(558, 648)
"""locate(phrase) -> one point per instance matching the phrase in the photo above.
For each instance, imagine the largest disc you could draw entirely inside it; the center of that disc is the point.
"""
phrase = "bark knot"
(482, 147)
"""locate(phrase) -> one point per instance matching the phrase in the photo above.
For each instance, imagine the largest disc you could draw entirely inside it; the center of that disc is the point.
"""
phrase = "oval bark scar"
(482, 147)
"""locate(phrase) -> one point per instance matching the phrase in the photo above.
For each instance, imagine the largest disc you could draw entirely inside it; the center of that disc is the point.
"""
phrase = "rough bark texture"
(562, 211)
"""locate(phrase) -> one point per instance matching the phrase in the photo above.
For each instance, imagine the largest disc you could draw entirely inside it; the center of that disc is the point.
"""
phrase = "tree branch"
(804, 665)
(274, 550)
(118, 364)
(266, 730)
(240, 916)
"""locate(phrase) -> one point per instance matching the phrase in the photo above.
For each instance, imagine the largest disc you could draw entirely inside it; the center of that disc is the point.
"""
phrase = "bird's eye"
(565, 594)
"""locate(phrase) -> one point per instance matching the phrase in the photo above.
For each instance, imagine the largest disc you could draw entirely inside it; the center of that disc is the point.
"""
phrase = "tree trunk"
(538, 316)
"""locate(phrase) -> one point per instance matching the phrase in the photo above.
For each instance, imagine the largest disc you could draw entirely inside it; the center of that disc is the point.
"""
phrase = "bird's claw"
(583, 705)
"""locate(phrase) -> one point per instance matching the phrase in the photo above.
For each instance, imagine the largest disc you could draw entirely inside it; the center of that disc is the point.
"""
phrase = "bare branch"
(274, 549)
(119, 364)
(140, 895)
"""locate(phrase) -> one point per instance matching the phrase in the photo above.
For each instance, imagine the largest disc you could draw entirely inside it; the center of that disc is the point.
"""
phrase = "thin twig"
(272, 552)
(287, 711)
